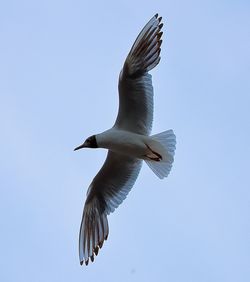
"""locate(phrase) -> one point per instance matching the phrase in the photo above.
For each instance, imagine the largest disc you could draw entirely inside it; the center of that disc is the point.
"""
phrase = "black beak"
(80, 147)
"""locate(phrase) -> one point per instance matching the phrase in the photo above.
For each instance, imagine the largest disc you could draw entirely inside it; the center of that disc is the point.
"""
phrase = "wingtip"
(96, 250)
(157, 17)
(159, 35)
(100, 244)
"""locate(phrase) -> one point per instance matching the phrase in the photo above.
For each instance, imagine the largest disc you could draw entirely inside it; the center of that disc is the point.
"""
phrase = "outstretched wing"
(135, 83)
(106, 192)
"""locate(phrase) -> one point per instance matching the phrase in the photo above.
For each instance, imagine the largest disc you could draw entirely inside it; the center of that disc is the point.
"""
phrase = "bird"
(128, 142)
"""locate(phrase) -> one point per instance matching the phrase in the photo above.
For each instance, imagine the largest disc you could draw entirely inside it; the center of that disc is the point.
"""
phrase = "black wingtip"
(92, 258)
(160, 26)
(156, 15)
(100, 244)
(81, 262)
(96, 250)
(159, 35)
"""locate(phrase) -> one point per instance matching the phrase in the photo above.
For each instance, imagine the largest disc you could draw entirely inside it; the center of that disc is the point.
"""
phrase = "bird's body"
(128, 142)
(124, 142)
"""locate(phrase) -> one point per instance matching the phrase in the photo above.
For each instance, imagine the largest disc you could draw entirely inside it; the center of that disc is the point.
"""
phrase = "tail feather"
(164, 144)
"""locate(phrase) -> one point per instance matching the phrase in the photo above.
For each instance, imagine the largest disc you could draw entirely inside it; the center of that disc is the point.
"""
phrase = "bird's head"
(90, 142)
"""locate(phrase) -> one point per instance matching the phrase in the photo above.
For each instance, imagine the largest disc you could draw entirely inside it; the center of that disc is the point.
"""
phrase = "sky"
(59, 66)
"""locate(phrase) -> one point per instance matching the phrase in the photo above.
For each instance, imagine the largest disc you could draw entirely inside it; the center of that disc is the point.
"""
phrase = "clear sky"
(59, 65)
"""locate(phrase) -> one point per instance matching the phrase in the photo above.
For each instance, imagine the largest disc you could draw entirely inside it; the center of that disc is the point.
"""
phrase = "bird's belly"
(124, 142)
(136, 150)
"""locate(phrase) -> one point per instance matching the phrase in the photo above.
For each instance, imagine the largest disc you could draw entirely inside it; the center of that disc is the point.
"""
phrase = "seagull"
(128, 142)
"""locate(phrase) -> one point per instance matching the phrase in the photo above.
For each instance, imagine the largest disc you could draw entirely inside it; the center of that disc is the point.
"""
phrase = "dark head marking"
(91, 142)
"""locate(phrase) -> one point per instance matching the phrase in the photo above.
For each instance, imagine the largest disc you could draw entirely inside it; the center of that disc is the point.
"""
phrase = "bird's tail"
(93, 231)
(162, 149)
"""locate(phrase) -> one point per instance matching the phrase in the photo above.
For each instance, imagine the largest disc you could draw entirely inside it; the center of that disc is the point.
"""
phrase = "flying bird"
(128, 142)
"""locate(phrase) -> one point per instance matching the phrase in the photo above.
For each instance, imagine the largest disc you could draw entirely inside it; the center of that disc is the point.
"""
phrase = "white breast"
(123, 142)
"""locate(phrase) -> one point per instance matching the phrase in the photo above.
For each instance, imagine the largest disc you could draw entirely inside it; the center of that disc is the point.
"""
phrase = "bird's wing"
(135, 83)
(106, 192)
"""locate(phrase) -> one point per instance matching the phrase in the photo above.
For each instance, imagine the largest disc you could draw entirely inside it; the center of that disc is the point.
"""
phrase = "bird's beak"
(80, 147)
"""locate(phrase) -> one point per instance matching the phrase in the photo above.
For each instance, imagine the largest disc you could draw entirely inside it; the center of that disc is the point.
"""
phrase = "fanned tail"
(93, 231)
(162, 147)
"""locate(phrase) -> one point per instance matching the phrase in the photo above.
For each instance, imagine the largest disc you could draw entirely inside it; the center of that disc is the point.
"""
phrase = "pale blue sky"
(59, 65)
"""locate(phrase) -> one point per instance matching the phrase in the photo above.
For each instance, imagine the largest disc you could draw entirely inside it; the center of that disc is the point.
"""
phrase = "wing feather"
(135, 83)
(107, 191)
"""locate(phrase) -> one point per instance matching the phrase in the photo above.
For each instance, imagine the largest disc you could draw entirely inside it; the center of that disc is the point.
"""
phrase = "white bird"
(128, 142)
